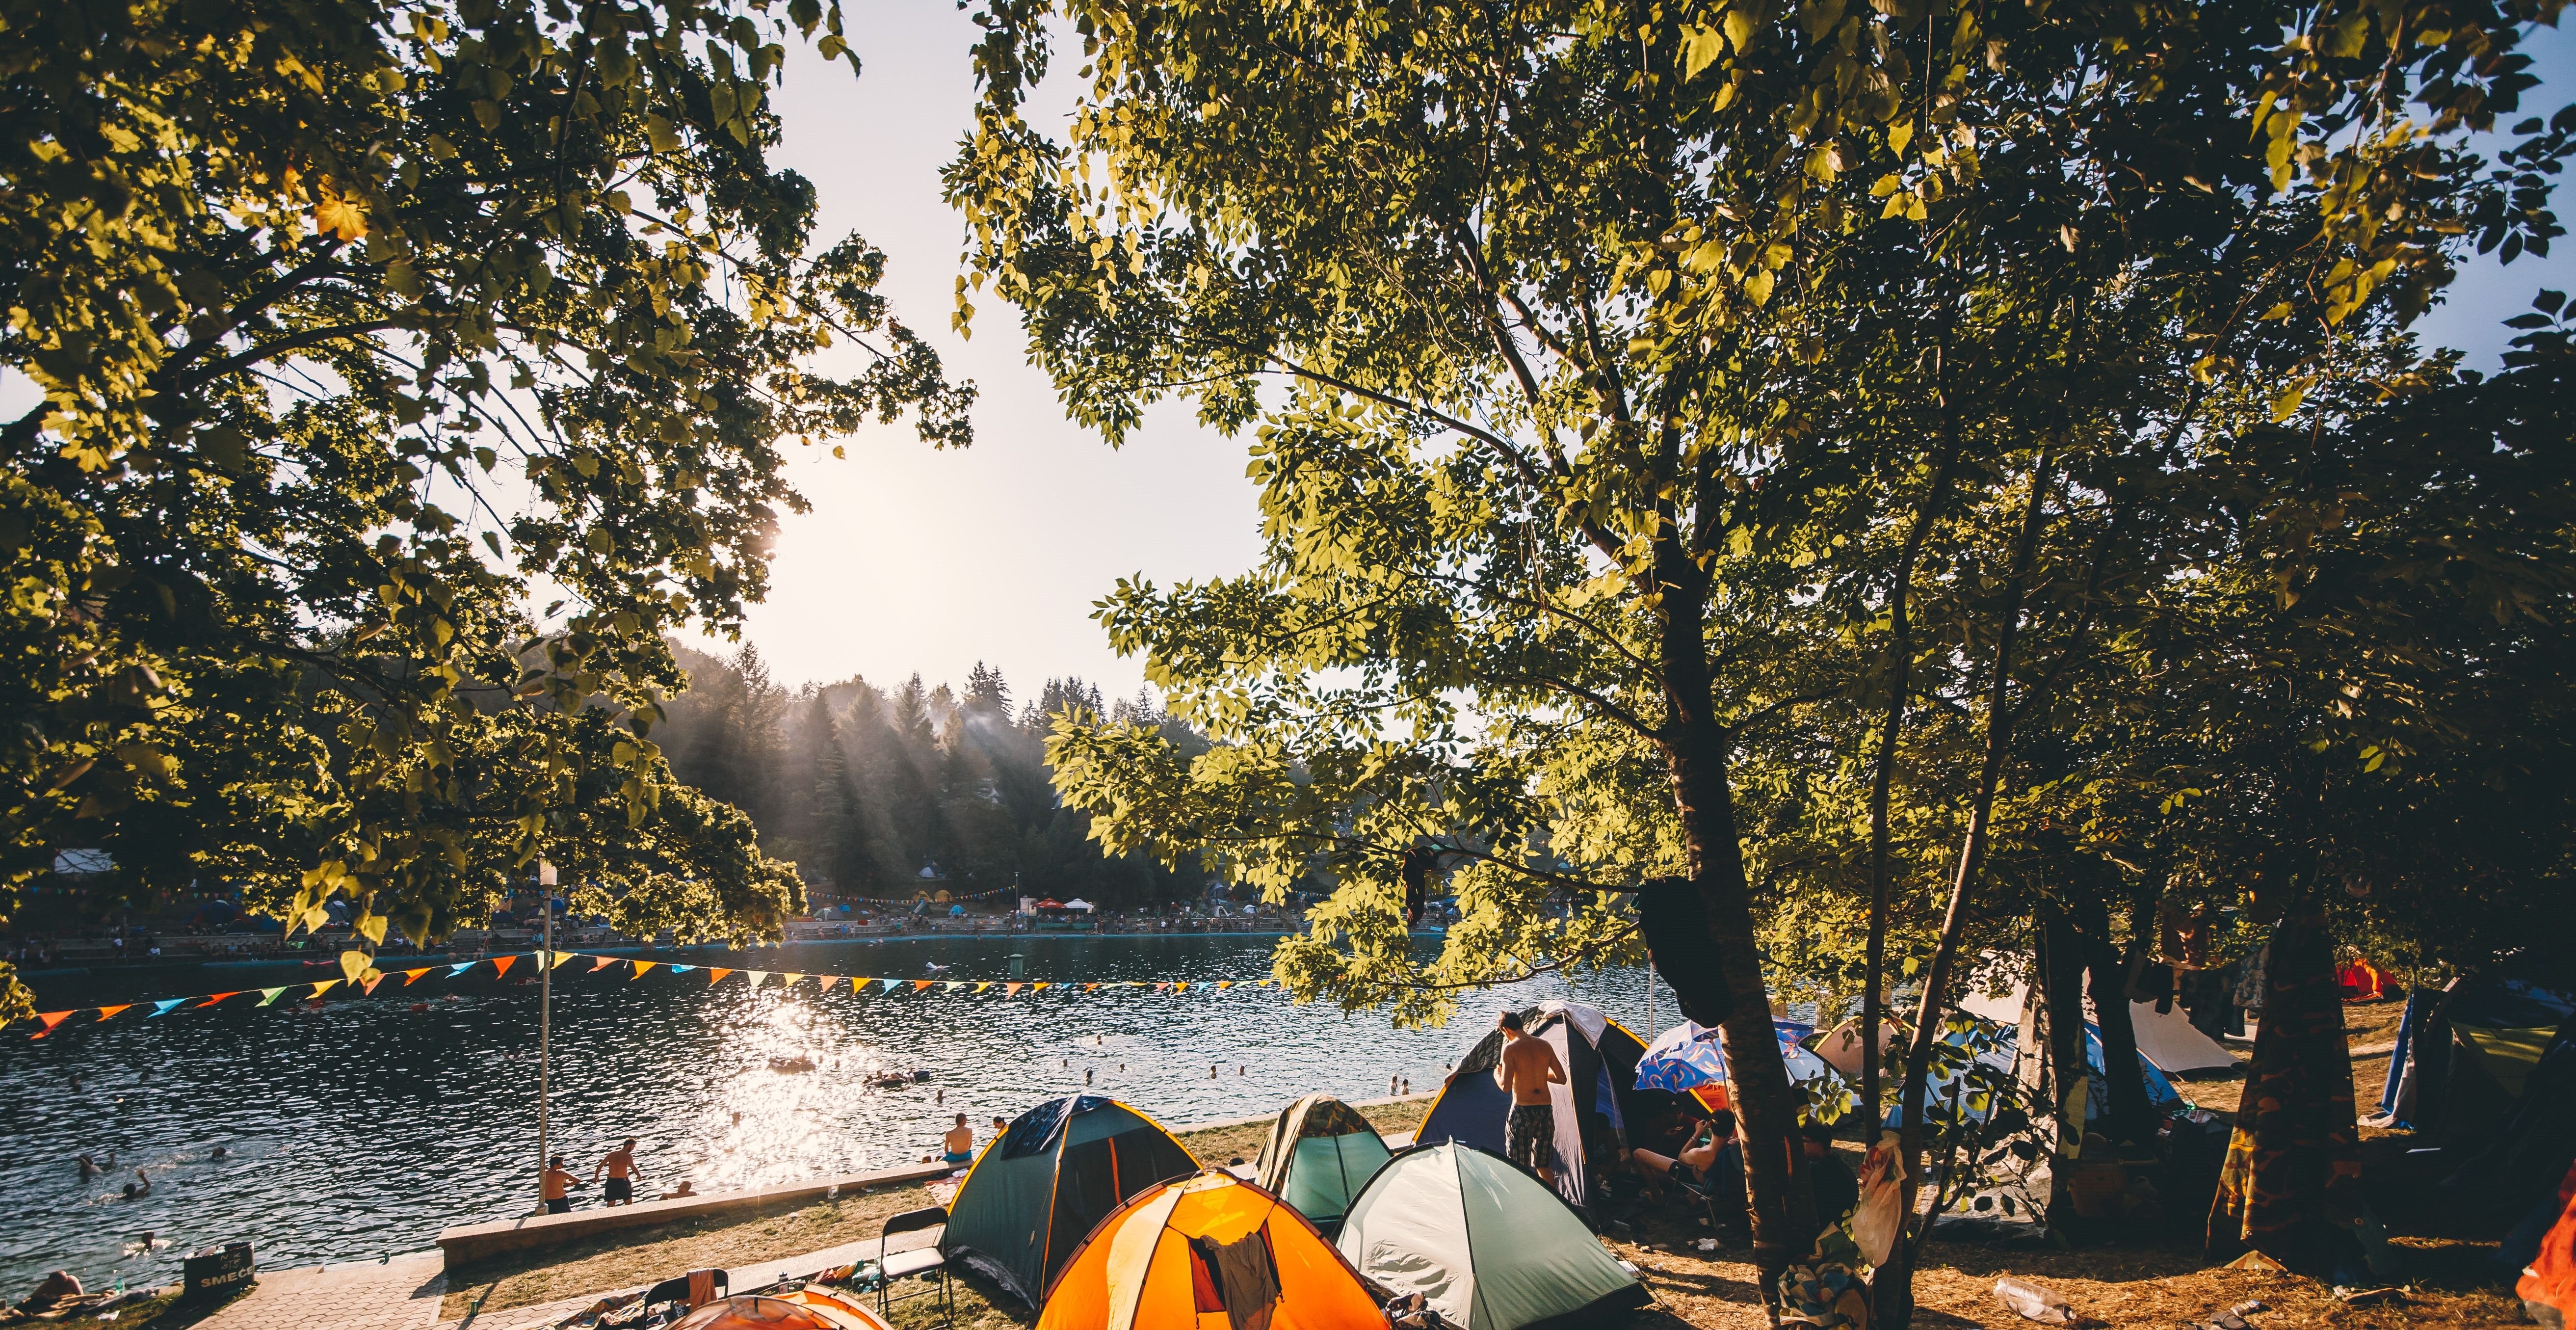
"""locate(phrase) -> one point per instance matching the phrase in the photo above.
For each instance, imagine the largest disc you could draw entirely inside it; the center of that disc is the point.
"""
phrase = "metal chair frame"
(926, 1262)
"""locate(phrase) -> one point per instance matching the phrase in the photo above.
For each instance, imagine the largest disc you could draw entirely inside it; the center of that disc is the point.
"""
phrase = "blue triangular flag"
(166, 1005)
(462, 966)
(682, 969)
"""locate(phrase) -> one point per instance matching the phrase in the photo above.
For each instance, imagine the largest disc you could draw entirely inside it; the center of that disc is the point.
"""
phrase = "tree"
(357, 323)
(1616, 352)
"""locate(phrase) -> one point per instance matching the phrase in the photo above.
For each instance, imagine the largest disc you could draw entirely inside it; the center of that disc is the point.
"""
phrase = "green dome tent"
(1484, 1243)
(1319, 1153)
(1034, 1194)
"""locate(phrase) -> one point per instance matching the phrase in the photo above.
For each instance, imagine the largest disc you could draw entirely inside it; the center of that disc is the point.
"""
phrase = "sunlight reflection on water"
(362, 1127)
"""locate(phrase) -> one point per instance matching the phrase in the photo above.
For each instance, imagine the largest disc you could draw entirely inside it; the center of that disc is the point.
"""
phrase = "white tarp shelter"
(2168, 1040)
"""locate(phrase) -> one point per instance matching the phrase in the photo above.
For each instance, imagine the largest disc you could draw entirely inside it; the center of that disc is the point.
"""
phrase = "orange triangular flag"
(218, 997)
(501, 965)
(411, 977)
(1181, 987)
(369, 984)
(1009, 990)
(715, 976)
(1040, 984)
(920, 984)
(105, 1012)
(51, 1019)
(828, 981)
(1088, 987)
(599, 963)
(642, 966)
(1225, 983)
(325, 986)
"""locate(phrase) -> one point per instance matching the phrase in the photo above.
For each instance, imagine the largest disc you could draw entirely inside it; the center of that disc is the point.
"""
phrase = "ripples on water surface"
(364, 1127)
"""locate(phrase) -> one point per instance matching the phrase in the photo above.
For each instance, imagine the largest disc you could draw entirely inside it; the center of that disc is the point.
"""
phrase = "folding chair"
(927, 1262)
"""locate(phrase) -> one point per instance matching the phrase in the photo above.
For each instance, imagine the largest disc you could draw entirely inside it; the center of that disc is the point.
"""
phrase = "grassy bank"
(2154, 1278)
(636, 1256)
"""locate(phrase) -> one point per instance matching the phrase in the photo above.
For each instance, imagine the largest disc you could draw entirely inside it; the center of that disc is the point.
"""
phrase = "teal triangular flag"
(166, 1005)
(682, 969)
(461, 967)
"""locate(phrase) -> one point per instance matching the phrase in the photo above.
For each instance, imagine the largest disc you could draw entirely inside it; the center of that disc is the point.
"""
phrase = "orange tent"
(1207, 1252)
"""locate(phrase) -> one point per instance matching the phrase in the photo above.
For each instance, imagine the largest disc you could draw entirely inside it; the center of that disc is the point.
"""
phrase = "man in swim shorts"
(961, 1144)
(622, 1173)
(554, 1186)
(1527, 1067)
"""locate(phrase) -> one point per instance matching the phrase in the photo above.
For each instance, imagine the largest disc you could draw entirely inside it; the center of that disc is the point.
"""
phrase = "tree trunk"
(1783, 1208)
(1900, 671)
(2058, 993)
(2132, 1112)
(1892, 1288)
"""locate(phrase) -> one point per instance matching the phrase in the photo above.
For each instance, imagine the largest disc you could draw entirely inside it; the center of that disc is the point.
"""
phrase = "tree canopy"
(363, 331)
(1669, 419)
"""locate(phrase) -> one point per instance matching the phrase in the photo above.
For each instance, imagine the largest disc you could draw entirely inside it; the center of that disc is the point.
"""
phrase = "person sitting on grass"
(58, 1287)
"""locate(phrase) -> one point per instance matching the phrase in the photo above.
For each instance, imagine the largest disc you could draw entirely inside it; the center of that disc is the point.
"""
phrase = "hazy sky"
(921, 560)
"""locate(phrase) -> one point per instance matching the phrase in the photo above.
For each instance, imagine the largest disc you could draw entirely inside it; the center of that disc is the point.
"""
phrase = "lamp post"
(545, 1008)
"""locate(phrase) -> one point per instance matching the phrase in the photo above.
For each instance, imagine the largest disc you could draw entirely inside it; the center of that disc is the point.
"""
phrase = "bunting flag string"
(859, 986)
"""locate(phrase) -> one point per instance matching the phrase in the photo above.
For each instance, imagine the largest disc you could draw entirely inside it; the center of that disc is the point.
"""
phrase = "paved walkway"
(401, 1294)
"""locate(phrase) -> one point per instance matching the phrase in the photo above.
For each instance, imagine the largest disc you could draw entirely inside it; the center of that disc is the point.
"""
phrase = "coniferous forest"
(862, 786)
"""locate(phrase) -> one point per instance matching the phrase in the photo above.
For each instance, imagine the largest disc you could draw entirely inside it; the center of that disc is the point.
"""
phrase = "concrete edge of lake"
(465, 1244)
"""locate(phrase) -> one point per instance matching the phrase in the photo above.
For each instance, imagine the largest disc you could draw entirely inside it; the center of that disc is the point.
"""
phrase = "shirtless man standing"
(622, 1173)
(1527, 1068)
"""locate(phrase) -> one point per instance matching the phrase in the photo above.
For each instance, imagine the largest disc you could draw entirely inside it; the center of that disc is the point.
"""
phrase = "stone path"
(401, 1294)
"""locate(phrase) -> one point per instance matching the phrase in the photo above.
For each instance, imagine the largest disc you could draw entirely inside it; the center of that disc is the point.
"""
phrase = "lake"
(362, 1127)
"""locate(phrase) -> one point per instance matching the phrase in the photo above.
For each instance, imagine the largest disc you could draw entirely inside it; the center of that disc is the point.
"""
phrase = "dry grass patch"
(623, 1259)
(2142, 1283)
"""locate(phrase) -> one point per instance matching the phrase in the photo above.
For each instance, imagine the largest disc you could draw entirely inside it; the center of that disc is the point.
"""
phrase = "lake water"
(363, 1127)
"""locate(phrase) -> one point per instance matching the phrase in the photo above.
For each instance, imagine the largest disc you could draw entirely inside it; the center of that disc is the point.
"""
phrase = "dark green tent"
(1033, 1195)
(1319, 1152)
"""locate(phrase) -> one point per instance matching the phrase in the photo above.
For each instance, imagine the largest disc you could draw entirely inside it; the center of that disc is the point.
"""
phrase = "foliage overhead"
(361, 328)
(1607, 367)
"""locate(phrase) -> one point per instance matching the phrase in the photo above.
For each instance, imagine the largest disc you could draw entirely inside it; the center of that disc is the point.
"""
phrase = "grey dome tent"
(1060, 1168)
(1483, 1243)
(1319, 1153)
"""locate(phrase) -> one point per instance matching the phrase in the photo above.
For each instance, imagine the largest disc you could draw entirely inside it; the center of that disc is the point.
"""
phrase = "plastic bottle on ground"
(2032, 1302)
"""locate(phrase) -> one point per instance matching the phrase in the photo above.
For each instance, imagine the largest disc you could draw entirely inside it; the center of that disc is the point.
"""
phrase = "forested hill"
(862, 785)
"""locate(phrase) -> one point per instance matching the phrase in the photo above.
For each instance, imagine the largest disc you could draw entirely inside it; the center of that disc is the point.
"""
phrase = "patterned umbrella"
(1687, 1056)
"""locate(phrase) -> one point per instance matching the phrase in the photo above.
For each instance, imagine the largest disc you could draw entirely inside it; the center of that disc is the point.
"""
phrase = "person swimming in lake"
(88, 1168)
(139, 1188)
(685, 1190)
